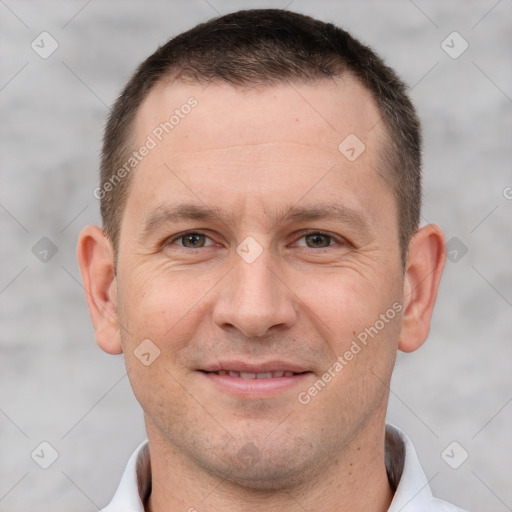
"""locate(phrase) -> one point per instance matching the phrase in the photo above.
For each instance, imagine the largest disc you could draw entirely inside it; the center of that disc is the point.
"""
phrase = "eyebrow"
(164, 215)
(331, 211)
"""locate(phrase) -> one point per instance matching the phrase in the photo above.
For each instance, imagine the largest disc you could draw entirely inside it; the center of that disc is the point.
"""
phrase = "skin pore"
(262, 163)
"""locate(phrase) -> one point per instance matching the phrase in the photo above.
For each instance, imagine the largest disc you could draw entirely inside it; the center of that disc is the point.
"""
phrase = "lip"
(254, 367)
(255, 387)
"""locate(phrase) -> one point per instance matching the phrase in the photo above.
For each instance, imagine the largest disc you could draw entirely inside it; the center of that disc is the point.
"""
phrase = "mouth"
(276, 374)
(255, 380)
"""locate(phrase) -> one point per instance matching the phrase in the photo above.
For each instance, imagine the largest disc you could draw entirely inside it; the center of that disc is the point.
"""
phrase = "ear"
(96, 259)
(424, 266)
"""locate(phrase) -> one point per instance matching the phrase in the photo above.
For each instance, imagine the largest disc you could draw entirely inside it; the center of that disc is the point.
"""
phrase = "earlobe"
(425, 262)
(96, 260)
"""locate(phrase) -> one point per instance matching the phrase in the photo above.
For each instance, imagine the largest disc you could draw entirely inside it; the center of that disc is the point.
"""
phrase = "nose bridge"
(256, 281)
(254, 299)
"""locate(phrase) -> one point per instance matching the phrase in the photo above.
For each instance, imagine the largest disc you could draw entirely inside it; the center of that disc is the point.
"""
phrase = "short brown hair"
(260, 47)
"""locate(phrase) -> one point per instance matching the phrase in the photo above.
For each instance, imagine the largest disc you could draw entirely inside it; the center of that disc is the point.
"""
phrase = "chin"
(267, 478)
(271, 470)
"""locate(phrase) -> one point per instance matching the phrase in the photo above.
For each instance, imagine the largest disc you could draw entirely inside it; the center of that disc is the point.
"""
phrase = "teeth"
(264, 375)
(260, 375)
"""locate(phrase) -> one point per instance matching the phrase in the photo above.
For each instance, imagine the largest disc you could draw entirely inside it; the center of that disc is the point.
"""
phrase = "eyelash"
(337, 240)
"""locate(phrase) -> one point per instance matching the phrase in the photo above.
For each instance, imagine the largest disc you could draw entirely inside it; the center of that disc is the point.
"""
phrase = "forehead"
(224, 116)
(231, 147)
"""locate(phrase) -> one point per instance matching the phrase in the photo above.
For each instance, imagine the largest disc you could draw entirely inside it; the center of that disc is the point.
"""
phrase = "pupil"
(318, 240)
(194, 240)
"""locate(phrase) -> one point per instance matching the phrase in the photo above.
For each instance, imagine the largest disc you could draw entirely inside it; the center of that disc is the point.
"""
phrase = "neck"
(355, 480)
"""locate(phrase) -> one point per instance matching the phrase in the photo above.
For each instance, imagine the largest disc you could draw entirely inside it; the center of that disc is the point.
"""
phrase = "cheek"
(359, 319)
(159, 311)
(348, 302)
(161, 304)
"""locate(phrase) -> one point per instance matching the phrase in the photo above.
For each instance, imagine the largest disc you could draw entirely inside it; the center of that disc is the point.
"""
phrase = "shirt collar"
(412, 490)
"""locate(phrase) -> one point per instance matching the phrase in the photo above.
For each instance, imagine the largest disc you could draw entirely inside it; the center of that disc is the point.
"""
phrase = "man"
(259, 266)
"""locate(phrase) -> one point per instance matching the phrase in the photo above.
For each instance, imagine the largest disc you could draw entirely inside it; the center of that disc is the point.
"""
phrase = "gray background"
(57, 386)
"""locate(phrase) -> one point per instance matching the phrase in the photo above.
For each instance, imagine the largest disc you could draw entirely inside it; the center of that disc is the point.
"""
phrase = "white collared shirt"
(412, 492)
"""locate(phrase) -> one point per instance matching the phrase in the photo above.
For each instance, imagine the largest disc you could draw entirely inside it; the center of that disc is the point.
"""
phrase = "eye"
(316, 240)
(192, 240)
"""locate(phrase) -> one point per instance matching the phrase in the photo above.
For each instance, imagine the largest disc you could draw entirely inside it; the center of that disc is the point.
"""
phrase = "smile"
(257, 375)
(251, 381)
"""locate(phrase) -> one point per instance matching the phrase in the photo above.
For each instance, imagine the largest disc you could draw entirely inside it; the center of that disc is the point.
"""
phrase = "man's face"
(294, 253)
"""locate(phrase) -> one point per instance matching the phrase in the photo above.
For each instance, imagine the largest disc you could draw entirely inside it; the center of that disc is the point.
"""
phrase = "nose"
(254, 300)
